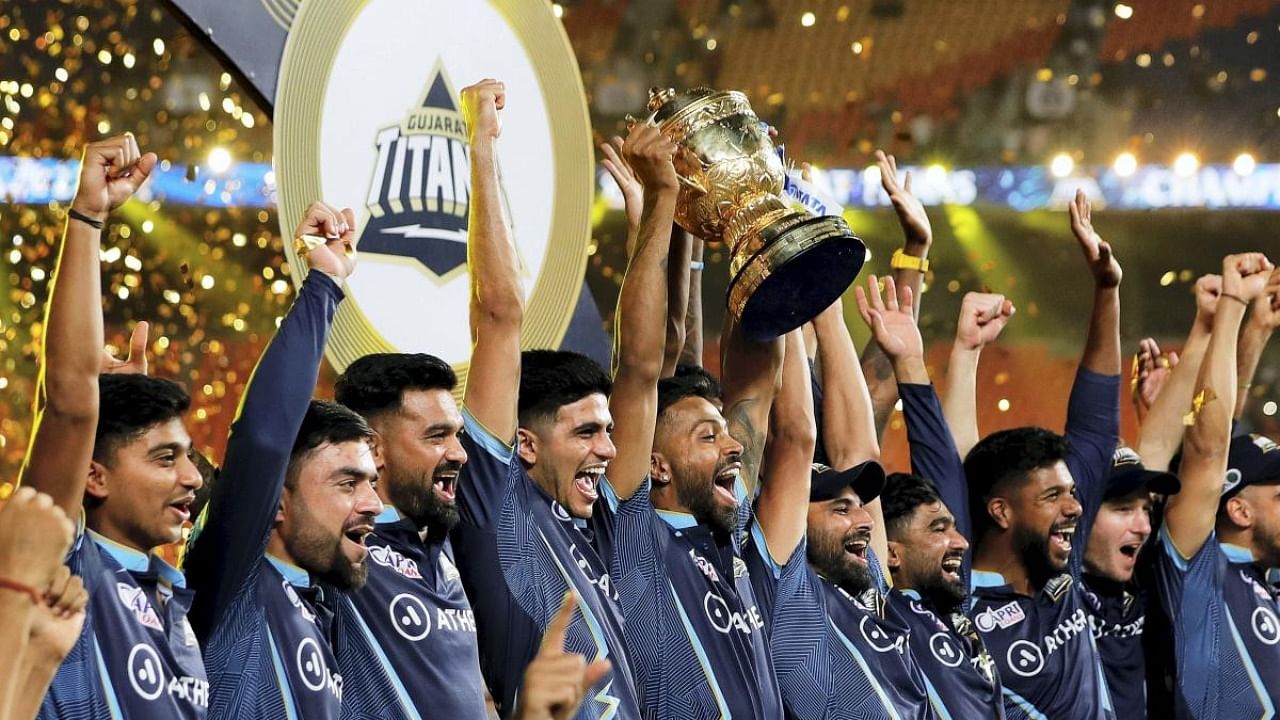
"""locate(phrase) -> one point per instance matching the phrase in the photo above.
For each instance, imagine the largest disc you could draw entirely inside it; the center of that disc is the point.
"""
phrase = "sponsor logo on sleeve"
(1003, 617)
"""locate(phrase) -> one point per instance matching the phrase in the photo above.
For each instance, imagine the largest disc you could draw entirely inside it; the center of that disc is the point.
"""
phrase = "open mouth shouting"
(181, 508)
(856, 545)
(1130, 551)
(355, 535)
(951, 567)
(445, 484)
(726, 482)
(1060, 537)
(587, 481)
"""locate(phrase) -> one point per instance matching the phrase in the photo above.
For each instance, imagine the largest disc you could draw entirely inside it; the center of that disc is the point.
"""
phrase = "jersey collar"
(678, 520)
(1236, 553)
(292, 573)
(388, 515)
(139, 563)
(985, 579)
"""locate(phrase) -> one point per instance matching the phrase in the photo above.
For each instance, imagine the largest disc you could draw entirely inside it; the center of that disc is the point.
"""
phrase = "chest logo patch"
(387, 557)
(1004, 617)
(146, 673)
(944, 650)
(1025, 658)
(135, 599)
(1265, 626)
(877, 638)
(410, 617)
(314, 671)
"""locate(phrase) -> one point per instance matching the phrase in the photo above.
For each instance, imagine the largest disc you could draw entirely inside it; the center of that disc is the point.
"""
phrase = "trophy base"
(805, 264)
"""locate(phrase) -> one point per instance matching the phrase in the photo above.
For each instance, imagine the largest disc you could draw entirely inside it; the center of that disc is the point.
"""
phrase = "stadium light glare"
(1244, 164)
(1062, 165)
(219, 160)
(1125, 164)
(1186, 164)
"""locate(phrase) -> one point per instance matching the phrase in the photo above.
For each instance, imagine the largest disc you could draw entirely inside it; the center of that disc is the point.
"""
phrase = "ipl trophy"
(786, 265)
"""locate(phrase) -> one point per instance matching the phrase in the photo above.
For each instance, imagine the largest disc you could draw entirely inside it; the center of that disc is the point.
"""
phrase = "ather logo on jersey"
(1265, 626)
(146, 676)
(314, 671)
(725, 620)
(879, 640)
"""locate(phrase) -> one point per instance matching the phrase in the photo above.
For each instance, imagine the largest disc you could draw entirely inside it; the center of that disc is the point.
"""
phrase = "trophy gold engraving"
(786, 265)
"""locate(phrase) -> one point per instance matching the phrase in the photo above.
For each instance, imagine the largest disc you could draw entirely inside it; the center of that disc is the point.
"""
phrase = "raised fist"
(982, 317)
(35, 535)
(482, 105)
(336, 256)
(1245, 275)
(111, 171)
(650, 155)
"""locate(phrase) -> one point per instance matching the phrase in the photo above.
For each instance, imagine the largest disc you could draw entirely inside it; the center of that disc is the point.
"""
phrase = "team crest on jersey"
(292, 594)
(1264, 443)
(739, 568)
(449, 569)
(420, 192)
(387, 557)
(1004, 617)
(1057, 587)
(135, 599)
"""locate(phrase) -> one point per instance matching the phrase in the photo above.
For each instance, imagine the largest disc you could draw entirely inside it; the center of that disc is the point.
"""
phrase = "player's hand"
(982, 317)
(1266, 307)
(890, 318)
(35, 535)
(1097, 252)
(1151, 369)
(625, 177)
(1246, 275)
(56, 623)
(556, 682)
(136, 362)
(111, 171)
(911, 214)
(336, 257)
(482, 105)
(650, 155)
(1208, 289)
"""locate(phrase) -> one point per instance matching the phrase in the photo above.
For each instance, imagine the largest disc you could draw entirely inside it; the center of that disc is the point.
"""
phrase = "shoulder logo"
(449, 569)
(1004, 617)
(296, 601)
(1057, 587)
(739, 568)
(387, 557)
(561, 514)
(705, 566)
(135, 600)
(419, 192)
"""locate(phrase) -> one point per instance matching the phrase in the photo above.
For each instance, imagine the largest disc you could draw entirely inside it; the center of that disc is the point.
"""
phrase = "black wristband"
(75, 214)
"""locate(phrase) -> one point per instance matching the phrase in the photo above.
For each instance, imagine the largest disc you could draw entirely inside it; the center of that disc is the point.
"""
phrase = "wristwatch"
(903, 261)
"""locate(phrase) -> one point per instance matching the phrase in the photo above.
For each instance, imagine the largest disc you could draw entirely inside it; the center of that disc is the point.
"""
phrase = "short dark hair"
(902, 494)
(376, 383)
(551, 379)
(672, 390)
(324, 422)
(129, 405)
(1007, 457)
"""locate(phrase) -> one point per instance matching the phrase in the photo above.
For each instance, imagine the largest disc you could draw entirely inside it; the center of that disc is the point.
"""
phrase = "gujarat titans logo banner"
(365, 113)
(419, 191)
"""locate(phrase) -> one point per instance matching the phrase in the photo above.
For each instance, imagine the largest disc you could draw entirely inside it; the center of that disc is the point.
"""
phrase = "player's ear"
(97, 486)
(1239, 512)
(659, 470)
(895, 555)
(376, 445)
(1001, 512)
(527, 446)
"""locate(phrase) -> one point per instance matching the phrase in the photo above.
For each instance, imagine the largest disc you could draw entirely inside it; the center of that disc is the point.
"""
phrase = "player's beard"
(698, 496)
(318, 551)
(827, 555)
(942, 593)
(414, 496)
(1032, 547)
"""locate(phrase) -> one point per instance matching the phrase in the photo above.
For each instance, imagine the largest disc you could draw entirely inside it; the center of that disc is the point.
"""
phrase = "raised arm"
(908, 264)
(848, 431)
(61, 447)
(640, 328)
(1190, 515)
(1162, 429)
(982, 317)
(679, 282)
(1264, 318)
(691, 353)
(1102, 347)
(497, 300)
(750, 374)
(783, 507)
(231, 534)
(1151, 370)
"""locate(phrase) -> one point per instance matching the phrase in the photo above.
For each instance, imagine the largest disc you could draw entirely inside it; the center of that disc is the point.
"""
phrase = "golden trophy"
(786, 265)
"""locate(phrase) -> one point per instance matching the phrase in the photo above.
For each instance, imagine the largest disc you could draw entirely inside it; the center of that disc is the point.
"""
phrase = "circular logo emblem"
(1265, 626)
(1025, 658)
(311, 665)
(876, 637)
(410, 617)
(368, 116)
(561, 514)
(146, 674)
(985, 621)
(945, 650)
(718, 612)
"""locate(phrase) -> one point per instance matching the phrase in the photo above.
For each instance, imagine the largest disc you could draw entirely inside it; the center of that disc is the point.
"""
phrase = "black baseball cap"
(866, 479)
(1128, 475)
(1252, 460)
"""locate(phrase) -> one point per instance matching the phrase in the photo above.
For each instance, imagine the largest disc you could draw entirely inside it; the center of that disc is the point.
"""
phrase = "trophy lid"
(659, 97)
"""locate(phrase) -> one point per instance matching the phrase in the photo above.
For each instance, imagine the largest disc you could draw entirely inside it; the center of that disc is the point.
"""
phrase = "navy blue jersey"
(836, 657)
(1117, 614)
(267, 628)
(1043, 645)
(959, 674)
(1226, 628)
(695, 634)
(519, 551)
(137, 656)
(414, 620)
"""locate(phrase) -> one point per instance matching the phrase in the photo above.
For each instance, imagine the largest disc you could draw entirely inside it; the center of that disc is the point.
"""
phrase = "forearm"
(62, 434)
(877, 370)
(750, 375)
(492, 262)
(691, 353)
(1102, 347)
(1253, 341)
(39, 667)
(782, 509)
(16, 609)
(848, 426)
(642, 302)
(933, 454)
(678, 279)
(960, 399)
(1162, 431)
